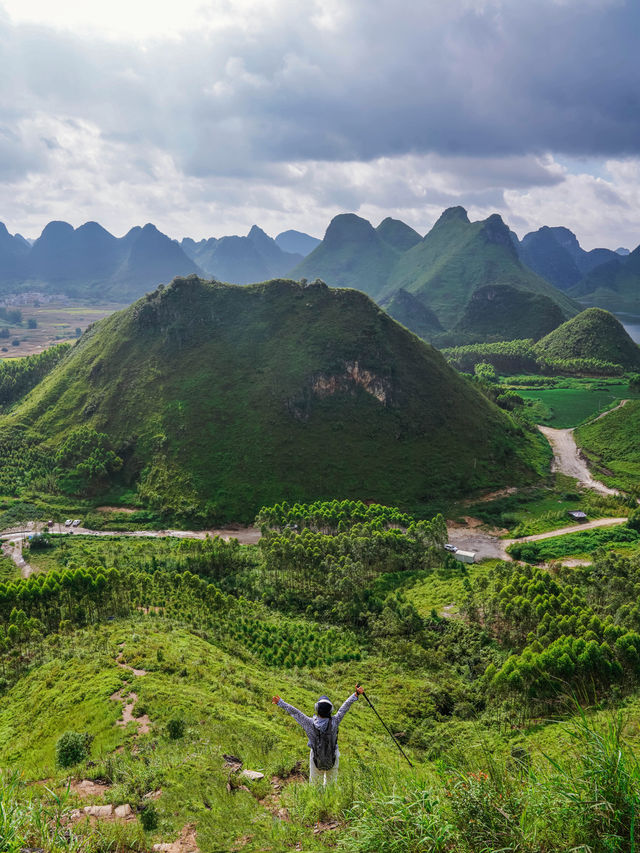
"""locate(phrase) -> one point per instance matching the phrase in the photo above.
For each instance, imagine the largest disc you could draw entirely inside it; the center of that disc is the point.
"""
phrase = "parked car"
(68, 523)
(75, 522)
(450, 547)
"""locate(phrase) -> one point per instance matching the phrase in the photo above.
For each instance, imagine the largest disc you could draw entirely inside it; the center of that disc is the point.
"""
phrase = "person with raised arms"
(322, 734)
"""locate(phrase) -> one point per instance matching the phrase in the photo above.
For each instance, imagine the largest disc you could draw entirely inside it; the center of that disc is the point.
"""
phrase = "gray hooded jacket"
(309, 723)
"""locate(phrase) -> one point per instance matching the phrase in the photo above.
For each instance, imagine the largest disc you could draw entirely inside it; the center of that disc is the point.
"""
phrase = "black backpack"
(325, 746)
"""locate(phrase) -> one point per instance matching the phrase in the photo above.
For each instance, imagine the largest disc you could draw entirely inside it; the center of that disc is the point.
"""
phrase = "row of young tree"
(330, 517)
(333, 575)
(522, 356)
(20, 375)
(575, 632)
(46, 605)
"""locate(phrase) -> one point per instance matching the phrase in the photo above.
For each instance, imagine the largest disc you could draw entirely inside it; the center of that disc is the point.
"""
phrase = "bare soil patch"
(86, 788)
(128, 704)
(184, 843)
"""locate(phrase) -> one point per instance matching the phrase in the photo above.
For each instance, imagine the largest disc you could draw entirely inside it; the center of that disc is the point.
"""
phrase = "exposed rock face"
(322, 385)
(353, 376)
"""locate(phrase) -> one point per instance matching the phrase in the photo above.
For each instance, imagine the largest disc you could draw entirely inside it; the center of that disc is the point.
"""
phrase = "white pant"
(323, 776)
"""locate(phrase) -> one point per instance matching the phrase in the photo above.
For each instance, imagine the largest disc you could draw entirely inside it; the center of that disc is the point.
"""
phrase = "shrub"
(634, 520)
(149, 817)
(39, 541)
(72, 748)
(175, 728)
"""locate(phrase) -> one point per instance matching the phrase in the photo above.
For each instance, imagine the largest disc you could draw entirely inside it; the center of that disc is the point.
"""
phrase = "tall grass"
(588, 801)
(35, 820)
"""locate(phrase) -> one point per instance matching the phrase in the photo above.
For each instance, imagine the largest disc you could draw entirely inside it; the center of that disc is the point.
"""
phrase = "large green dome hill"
(594, 333)
(226, 398)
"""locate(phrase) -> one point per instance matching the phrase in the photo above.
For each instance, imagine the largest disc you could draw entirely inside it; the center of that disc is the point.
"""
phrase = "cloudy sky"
(205, 117)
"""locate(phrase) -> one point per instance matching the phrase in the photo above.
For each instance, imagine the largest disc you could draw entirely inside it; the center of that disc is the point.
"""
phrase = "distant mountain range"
(600, 277)
(243, 260)
(89, 262)
(462, 282)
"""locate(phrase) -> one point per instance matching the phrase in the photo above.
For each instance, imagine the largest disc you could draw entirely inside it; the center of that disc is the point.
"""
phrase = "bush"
(634, 520)
(39, 541)
(72, 748)
(15, 342)
(175, 728)
(149, 817)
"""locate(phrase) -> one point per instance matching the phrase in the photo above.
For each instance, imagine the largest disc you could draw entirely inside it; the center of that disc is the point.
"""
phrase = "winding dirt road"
(568, 460)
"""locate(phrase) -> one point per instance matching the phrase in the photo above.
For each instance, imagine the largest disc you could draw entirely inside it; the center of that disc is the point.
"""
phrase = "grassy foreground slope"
(471, 692)
(612, 444)
(594, 333)
(221, 399)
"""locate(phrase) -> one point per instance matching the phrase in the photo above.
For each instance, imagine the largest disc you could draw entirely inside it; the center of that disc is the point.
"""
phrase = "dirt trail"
(12, 548)
(568, 460)
(608, 412)
(562, 531)
(244, 535)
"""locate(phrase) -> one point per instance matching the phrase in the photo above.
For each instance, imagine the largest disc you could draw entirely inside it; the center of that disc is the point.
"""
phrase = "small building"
(578, 515)
(465, 556)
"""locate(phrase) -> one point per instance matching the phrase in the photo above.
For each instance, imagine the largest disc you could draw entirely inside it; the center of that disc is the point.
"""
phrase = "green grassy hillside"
(594, 333)
(612, 445)
(215, 399)
(398, 234)
(169, 665)
(354, 254)
(457, 257)
(412, 313)
(504, 312)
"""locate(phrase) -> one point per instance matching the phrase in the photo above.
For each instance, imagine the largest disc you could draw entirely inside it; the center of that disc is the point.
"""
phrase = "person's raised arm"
(349, 702)
(298, 716)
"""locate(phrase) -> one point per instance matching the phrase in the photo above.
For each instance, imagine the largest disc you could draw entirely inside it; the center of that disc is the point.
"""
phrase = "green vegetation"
(576, 544)
(611, 445)
(72, 748)
(541, 509)
(575, 631)
(18, 376)
(459, 258)
(260, 375)
(568, 407)
(199, 652)
(353, 254)
(593, 334)
(512, 357)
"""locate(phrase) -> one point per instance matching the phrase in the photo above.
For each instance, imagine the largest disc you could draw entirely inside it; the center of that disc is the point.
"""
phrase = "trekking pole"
(391, 734)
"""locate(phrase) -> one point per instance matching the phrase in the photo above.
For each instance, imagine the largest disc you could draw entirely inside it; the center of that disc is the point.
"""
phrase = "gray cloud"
(498, 78)
(448, 103)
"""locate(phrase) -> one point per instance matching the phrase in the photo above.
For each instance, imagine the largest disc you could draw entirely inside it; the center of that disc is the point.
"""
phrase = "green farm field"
(568, 407)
